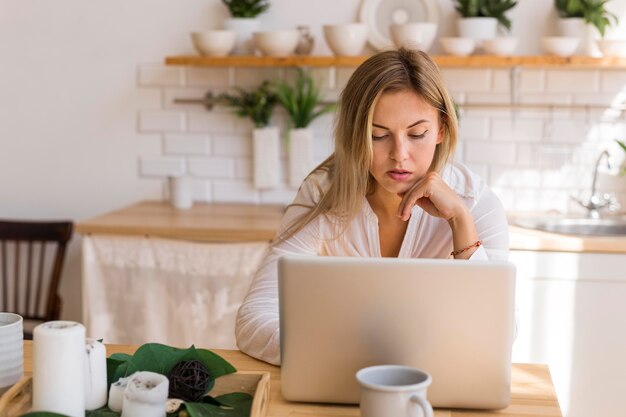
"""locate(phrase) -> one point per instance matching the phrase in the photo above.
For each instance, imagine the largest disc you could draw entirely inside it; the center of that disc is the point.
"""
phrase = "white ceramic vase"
(244, 27)
(301, 155)
(478, 28)
(266, 157)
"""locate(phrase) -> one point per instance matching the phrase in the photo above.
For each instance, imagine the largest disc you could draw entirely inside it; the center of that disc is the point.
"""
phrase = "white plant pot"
(576, 27)
(301, 155)
(244, 26)
(266, 157)
(478, 28)
(571, 26)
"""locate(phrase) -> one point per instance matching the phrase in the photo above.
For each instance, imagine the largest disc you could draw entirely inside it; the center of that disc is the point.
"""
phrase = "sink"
(575, 226)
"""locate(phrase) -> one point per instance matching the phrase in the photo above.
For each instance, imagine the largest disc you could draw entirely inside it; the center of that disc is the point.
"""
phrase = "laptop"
(454, 319)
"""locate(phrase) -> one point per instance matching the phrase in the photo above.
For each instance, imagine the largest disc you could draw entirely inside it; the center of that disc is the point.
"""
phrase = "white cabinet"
(572, 310)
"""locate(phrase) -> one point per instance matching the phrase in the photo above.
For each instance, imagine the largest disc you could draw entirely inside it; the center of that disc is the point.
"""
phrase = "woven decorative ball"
(189, 380)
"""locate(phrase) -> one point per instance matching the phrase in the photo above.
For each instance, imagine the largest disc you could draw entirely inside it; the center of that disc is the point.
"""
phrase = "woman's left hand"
(434, 196)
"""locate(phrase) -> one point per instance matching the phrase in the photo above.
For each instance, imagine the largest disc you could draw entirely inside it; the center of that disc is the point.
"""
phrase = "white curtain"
(141, 289)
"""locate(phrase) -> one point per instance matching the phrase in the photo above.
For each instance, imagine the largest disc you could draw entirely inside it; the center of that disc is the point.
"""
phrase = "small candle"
(145, 395)
(95, 374)
(58, 362)
(116, 394)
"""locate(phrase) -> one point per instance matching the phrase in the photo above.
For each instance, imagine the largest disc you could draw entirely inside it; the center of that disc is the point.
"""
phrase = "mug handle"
(425, 405)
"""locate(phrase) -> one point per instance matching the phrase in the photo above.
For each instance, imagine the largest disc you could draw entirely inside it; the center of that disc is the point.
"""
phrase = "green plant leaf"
(155, 357)
(246, 8)
(301, 99)
(237, 404)
(257, 104)
(102, 412)
(42, 414)
(112, 366)
(216, 365)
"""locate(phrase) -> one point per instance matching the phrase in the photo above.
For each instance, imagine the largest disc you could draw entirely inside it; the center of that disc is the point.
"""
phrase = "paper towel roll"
(95, 374)
(58, 363)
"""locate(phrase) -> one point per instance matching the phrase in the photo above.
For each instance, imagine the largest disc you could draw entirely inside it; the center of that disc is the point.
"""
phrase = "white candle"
(145, 395)
(58, 361)
(116, 394)
(95, 374)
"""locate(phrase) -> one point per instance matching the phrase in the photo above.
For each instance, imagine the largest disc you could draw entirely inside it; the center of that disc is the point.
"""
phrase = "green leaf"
(102, 412)
(123, 357)
(112, 367)
(155, 357)
(42, 414)
(257, 104)
(300, 100)
(246, 8)
(216, 365)
(237, 404)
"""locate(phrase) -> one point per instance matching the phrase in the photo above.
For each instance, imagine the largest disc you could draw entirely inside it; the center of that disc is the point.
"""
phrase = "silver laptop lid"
(452, 318)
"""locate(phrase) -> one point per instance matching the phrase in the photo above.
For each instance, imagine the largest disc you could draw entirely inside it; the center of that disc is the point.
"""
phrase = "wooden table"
(532, 393)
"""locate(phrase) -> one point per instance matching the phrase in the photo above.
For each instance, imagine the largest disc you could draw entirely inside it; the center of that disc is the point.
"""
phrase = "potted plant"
(480, 18)
(244, 20)
(258, 105)
(577, 16)
(591, 12)
(302, 103)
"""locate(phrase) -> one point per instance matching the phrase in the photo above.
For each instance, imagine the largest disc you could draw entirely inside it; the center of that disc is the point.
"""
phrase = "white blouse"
(257, 327)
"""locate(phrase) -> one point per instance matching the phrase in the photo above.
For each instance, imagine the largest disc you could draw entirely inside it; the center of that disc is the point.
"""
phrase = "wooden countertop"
(209, 222)
(247, 222)
(536, 240)
(532, 391)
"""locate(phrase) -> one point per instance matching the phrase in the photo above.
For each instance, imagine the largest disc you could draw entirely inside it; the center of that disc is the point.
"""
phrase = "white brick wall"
(534, 158)
(182, 144)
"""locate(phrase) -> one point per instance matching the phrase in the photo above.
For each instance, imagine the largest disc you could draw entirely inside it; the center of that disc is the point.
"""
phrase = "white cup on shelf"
(181, 192)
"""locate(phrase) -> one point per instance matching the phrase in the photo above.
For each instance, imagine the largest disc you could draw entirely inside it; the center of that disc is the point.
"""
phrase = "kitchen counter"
(245, 222)
(204, 222)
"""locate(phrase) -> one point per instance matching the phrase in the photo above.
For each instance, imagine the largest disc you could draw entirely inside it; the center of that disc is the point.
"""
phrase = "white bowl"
(612, 47)
(214, 42)
(276, 42)
(418, 35)
(458, 46)
(560, 45)
(346, 40)
(502, 46)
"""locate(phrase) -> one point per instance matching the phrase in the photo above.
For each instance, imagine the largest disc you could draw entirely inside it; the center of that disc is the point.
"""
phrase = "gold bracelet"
(460, 251)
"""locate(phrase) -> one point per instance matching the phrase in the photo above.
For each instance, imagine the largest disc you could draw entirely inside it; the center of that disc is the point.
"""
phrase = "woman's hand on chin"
(434, 196)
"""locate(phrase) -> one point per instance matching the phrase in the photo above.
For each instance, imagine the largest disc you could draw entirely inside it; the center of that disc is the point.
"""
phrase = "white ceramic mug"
(394, 390)
(181, 192)
(11, 350)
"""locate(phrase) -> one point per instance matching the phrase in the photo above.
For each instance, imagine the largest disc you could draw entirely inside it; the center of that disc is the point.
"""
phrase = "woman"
(389, 189)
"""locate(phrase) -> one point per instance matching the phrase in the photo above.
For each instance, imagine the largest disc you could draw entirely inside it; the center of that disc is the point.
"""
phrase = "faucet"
(597, 202)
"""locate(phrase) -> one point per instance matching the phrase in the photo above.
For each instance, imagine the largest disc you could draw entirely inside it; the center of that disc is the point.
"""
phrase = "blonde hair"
(348, 167)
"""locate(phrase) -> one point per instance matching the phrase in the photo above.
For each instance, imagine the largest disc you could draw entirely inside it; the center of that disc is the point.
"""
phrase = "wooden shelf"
(444, 61)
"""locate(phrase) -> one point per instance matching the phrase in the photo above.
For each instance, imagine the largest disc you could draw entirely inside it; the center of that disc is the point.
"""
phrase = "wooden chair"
(30, 269)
